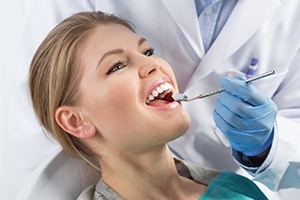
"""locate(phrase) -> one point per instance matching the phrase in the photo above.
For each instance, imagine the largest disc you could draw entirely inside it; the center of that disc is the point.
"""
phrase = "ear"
(72, 121)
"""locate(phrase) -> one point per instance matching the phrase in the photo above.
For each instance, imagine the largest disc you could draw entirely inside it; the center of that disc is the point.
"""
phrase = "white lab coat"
(268, 30)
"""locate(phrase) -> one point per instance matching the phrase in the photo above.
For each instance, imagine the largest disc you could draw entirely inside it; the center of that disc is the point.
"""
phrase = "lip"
(169, 106)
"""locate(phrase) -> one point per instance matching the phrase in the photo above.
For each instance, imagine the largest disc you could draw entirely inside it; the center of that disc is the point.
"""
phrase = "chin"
(181, 125)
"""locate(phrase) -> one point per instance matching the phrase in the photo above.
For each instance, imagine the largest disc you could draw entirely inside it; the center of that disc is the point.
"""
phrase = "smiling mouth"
(161, 95)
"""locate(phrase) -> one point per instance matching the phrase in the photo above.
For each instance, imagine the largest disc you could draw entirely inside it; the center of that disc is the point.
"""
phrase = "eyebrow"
(119, 51)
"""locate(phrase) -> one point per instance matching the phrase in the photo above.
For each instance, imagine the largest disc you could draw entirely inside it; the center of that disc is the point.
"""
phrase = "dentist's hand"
(245, 115)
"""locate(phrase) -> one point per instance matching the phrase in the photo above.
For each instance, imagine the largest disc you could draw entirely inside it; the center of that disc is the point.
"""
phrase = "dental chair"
(59, 177)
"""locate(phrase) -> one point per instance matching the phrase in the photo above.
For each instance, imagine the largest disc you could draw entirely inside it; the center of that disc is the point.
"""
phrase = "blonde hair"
(54, 75)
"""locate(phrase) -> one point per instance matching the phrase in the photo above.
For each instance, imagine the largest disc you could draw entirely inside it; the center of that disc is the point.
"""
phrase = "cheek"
(111, 105)
(166, 68)
(116, 118)
(119, 98)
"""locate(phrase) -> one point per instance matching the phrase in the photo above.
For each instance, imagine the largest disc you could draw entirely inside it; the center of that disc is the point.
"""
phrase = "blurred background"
(10, 23)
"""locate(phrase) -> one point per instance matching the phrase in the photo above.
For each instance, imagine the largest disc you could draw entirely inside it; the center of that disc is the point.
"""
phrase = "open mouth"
(161, 95)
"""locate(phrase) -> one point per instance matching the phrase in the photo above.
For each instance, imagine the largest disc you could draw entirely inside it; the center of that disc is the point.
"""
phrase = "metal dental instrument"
(184, 97)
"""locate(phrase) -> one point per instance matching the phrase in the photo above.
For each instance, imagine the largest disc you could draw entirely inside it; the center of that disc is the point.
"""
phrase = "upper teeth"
(163, 88)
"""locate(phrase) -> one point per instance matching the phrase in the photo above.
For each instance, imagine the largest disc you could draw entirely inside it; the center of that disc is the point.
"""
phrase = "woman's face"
(121, 76)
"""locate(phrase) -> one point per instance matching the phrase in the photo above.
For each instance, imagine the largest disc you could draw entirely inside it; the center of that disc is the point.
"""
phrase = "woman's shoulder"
(87, 194)
(101, 191)
(195, 171)
(184, 168)
(220, 185)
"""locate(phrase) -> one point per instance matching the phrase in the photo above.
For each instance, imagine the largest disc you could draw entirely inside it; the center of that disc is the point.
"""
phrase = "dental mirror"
(184, 97)
(180, 97)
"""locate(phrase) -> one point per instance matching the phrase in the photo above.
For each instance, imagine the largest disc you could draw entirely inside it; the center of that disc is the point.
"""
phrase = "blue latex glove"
(245, 115)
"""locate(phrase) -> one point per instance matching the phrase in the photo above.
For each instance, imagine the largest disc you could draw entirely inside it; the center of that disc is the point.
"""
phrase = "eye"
(117, 66)
(149, 52)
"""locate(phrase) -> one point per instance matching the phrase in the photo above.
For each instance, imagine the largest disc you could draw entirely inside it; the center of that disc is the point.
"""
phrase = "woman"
(100, 90)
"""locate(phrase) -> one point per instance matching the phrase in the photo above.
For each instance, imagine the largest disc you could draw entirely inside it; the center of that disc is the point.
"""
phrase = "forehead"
(112, 34)
(105, 38)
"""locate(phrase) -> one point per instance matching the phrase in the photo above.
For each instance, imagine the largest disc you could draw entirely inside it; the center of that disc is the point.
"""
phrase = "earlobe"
(71, 121)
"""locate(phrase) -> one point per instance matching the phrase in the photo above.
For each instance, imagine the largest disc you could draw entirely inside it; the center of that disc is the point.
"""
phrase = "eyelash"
(121, 63)
(150, 50)
(117, 66)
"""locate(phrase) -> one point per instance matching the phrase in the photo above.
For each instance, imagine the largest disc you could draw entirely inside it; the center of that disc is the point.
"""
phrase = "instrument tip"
(180, 97)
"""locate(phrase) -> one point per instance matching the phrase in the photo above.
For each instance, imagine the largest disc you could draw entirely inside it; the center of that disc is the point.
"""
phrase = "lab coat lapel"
(246, 18)
(187, 21)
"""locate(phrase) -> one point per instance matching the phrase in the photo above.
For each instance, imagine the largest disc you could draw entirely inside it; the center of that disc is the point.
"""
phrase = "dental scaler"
(184, 97)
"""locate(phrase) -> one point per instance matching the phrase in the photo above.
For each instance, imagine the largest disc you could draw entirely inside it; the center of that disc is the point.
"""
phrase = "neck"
(150, 175)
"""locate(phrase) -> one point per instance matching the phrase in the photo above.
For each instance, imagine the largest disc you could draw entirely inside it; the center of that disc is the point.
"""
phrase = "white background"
(10, 24)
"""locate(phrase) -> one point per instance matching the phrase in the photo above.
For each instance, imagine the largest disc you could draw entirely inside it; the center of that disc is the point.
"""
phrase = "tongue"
(158, 103)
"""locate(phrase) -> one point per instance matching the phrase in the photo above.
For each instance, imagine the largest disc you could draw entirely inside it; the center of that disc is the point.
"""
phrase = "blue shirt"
(212, 15)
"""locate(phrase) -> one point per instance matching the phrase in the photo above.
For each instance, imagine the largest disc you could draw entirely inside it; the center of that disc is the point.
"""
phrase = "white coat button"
(208, 11)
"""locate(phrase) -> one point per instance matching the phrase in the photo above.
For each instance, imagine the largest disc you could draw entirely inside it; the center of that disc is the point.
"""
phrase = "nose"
(148, 67)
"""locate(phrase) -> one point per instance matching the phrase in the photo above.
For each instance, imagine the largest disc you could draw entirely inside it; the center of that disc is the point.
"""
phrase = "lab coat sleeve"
(284, 157)
(288, 130)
